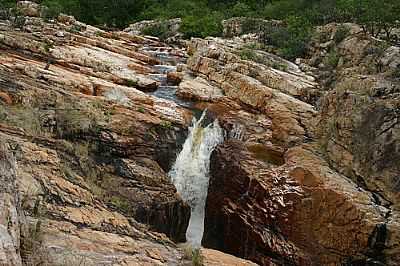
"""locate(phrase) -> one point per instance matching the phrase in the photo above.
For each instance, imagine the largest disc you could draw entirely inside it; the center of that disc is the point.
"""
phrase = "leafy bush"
(76, 29)
(197, 259)
(121, 204)
(332, 59)
(7, 3)
(241, 9)
(341, 33)
(51, 10)
(202, 26)
(159, 30)
(166, 125)
(280, 66)
(291, 40)
(202, 17)
(248, 54)
(396, 73)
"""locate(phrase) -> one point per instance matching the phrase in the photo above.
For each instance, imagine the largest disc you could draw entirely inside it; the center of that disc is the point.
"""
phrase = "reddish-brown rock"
(300, 213)
(83, 177)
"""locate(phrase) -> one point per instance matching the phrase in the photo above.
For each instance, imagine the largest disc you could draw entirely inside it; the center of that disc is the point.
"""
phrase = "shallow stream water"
(190, 173)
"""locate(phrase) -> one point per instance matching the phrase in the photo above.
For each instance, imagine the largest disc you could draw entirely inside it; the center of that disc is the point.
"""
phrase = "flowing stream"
(190, 173)
(167, 64)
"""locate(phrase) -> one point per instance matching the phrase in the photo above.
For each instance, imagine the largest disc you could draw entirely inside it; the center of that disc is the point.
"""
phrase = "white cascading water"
(190, 173)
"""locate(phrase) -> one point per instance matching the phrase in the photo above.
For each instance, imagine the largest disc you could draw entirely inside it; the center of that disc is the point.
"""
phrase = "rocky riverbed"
(91, 123)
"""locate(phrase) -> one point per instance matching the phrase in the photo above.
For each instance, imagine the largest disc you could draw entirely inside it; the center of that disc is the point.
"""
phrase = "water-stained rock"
(300, 213)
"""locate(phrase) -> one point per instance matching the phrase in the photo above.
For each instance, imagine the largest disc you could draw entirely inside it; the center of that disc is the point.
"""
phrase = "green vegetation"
(122, 204)
(341, 33)
(48, 46)
(292, 40)
(131, 82)
(192, 255)
(332, 59)
(201, 18)
(159, 30)
(248, 54)
(166, 125)
(197, 259)
(76, 29)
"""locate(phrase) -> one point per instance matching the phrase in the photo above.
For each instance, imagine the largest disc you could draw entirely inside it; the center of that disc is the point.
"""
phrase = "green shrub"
(202, 26)
(396, 73)
(341, 33)
(48, 46)
(77, 28)
(197, 259)
(248, 54)
(332, 59)
(166, 125)
(131, 83)
(279, 66)
(159, 30)
(240, 9)
(51, 10)
(292, 40)
(121, 204)
(19, 19)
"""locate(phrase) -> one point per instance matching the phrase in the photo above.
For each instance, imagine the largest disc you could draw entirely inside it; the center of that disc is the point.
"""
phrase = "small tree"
(375, 16)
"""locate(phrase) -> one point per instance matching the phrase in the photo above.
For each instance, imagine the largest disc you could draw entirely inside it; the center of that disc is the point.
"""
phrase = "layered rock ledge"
(309, 173)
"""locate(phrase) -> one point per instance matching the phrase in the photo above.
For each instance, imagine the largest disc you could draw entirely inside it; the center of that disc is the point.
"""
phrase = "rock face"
(359, 115)
(216, 258)
(294, 214)
(198, 89)
(261, 87)
(9, 218)
(84, 153)
(309, 175)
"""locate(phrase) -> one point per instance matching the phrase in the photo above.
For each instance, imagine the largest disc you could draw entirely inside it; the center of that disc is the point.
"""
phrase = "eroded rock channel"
(117, 148)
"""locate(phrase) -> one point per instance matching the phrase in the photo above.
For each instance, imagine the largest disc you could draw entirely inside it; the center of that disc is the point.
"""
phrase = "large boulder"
(198, 89)
(299, 213)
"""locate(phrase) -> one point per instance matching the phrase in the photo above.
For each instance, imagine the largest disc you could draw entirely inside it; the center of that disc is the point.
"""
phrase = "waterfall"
(190, 173)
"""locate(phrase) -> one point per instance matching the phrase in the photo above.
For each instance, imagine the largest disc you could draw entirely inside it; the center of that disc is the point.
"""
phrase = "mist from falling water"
(190, 173)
